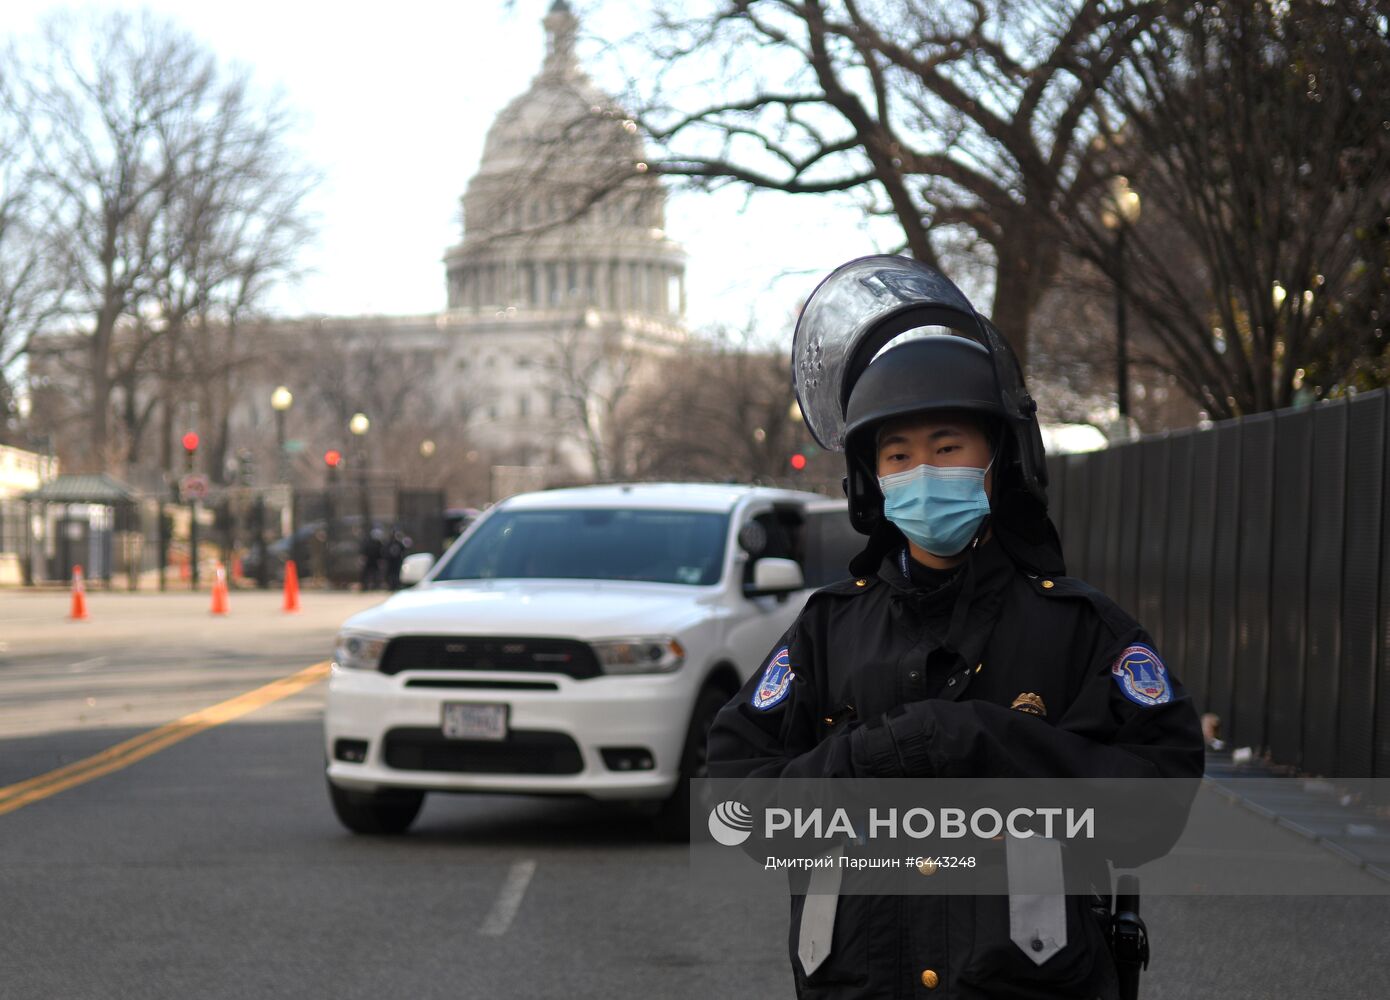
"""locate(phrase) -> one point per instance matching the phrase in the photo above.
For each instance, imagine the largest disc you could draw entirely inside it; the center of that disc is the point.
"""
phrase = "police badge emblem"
(1142, 676)
(1030, 703)
(776, 682)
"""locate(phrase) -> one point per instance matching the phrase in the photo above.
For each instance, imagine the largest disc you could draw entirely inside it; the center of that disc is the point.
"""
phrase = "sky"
(395, 101)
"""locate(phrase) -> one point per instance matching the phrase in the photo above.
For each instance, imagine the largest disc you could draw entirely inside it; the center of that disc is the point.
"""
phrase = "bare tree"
(31, 285)
(593, 372)
(175, 197)
(1073, 371)
(235, 226)
(964, 121)
(722, 409)
(340, 367)
(1255, 135)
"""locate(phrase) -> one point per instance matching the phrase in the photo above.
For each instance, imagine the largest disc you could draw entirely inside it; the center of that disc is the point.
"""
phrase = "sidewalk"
(1323, 810)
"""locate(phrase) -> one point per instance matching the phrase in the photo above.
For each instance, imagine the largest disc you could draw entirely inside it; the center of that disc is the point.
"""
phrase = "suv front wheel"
(672, 820)
(388, 812)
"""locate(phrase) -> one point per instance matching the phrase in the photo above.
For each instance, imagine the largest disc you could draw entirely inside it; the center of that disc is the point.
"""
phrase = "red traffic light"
(190, 442)
(798, 461)
(332, 458)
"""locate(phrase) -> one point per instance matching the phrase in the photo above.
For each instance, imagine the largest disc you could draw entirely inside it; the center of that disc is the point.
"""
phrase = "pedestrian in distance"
(373, 552)
(957, 648)
(396, 547)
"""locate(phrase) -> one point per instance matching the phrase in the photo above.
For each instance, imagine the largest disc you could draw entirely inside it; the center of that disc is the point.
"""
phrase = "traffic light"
(332, 458)
(798, 461)
(190, 445)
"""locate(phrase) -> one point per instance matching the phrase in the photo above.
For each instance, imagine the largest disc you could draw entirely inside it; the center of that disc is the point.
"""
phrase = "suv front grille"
(522, 752)
(455, 652)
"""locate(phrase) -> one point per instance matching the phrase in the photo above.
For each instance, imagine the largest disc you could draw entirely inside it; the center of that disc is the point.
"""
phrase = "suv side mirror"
(414, 568)
(775, 576)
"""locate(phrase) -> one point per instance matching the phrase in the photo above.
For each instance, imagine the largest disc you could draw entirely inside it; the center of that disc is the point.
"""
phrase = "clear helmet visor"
(867, 303)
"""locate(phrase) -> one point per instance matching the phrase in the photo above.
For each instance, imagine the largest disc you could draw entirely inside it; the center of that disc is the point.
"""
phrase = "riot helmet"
(935, 372)
(847, 384)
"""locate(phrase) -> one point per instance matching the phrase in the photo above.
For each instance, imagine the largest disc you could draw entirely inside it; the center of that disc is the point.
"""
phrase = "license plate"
(466, 721)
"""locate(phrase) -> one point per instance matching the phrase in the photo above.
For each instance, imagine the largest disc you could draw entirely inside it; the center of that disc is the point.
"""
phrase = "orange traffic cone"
(219, 592)
(79, 597)
(291, 587)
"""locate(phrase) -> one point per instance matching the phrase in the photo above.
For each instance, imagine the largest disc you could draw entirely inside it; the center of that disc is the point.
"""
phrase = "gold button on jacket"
(930, 979)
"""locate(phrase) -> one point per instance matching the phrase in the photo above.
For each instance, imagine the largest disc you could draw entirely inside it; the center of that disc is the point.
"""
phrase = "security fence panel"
(1361, 585)
(1326, 540)
(1171, 631)
(1152, 496)
(1380, 733)
(1225, 567)
(1116, 509)
(1076, 516)
(1293, 456)
(1256, 505)
(1201, 559)
(1132, 503)
(1101, 513)
(1057, 490)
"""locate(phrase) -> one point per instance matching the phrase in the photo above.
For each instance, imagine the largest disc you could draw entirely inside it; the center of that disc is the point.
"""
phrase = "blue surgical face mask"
(939, 509)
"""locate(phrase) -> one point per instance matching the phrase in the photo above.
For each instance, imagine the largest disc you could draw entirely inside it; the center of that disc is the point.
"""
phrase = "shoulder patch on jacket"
(776, 682)
(1142, 677)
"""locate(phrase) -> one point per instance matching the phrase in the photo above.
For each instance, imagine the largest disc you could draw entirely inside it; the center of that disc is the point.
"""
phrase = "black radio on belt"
(1129, 938)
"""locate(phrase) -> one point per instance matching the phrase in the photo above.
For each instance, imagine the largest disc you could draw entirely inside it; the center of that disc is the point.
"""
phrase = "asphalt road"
(215, 868)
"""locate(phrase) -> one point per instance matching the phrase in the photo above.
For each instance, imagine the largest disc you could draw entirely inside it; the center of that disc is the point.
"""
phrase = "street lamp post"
(359, 425)
(190, 448)
(323, 566)
(1121, 211)
(280, 401)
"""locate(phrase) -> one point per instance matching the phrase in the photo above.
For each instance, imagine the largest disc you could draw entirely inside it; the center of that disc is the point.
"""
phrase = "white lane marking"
(84, 664)
(508, 900)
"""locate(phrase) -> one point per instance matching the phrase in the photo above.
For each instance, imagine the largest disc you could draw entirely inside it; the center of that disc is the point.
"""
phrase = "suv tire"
(389, 812)
(672, 820)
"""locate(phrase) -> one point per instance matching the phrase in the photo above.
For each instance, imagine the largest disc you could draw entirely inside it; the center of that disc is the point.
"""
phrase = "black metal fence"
(164, 542)
(1254, 552)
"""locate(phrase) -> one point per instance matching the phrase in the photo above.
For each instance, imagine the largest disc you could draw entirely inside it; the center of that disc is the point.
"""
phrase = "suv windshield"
(656, 546)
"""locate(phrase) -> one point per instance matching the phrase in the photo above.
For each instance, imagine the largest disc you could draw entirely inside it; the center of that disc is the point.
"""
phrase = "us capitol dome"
(565, 280)
(562, 212)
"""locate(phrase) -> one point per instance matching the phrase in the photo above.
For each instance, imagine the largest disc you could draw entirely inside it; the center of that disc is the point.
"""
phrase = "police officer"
(958, 649)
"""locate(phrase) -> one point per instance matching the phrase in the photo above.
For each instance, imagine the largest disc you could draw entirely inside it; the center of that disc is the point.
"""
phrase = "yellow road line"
(123, 754)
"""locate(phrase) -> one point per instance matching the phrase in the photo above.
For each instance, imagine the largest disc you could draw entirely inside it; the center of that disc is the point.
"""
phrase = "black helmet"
(937, 372)
(860, 309)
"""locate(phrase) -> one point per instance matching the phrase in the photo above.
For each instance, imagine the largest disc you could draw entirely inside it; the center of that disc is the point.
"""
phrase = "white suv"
(572, 641)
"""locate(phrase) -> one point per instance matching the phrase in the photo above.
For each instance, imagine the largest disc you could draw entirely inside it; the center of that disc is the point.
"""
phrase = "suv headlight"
(359, 650)
(644, 655)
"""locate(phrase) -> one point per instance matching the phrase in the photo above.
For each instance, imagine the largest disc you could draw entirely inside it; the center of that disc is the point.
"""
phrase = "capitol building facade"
(563, 295)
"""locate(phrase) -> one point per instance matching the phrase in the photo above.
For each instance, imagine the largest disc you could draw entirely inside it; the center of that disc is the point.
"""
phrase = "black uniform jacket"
(876, 693)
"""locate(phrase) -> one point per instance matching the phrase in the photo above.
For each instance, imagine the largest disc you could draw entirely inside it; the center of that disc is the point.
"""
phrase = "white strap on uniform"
(1037, 901)
(818, 915)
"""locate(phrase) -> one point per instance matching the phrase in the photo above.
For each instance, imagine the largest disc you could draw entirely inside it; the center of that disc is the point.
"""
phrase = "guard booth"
(79, 518)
